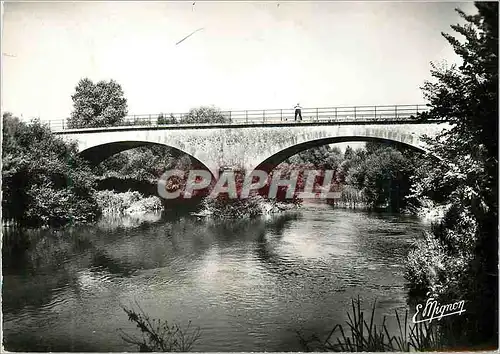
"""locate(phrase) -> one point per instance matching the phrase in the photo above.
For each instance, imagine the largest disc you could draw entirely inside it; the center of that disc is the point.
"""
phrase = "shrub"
(113, 203)
(222, 207)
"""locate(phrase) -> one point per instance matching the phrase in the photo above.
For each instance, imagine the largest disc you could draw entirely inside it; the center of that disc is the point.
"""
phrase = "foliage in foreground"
(460, 259)
(44, 181)
(159, 336)
(363, 335)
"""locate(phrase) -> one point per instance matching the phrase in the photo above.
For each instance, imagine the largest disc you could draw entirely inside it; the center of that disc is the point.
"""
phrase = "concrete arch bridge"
(258, 144)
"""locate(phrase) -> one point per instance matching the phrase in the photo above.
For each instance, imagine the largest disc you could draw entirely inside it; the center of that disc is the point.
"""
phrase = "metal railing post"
(375, 111)
(335, 113)
(317, 114)
(263, 116)
(281, 114)
(354, 112)
(62, 124)
(246, 116)
(395, 112)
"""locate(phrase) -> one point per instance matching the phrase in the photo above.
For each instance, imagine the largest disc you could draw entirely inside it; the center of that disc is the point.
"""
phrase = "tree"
(351, 158)
(382, 173)
(321, 157)
(466, 179)
(97, 105)
(44, 182)
(348, 153)
(204, 115)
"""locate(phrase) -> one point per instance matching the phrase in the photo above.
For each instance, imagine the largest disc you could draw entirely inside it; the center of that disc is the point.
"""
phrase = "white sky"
(252, 55)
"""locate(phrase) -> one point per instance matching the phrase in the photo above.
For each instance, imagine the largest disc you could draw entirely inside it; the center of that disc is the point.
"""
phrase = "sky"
(249, 55)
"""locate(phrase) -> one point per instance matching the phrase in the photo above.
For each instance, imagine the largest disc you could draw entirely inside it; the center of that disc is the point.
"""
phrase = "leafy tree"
(383, 174)
(204, 115)
(348, 153)
(351, 158)
(321, 157)
(466, 180)
(97, 105)
(385, 178)
(44, 182)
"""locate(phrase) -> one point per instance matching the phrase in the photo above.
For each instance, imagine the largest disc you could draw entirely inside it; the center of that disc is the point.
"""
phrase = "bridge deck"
(326, 115)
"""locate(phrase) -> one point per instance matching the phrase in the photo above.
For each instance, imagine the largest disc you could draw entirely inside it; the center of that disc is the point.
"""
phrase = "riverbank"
(134, 203)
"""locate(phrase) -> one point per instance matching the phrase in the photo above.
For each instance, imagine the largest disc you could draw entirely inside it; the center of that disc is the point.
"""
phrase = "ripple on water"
(248, 286)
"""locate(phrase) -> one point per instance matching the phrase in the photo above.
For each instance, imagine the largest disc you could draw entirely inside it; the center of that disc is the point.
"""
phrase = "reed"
(363, 335)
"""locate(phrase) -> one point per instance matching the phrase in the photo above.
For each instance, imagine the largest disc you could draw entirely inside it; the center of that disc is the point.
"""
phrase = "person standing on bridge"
(298, 112)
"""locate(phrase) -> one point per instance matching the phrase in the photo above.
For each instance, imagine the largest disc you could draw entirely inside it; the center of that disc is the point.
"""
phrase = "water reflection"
(249, 284)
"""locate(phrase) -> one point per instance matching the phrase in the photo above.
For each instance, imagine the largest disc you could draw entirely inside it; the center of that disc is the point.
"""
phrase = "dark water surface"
(249, 285)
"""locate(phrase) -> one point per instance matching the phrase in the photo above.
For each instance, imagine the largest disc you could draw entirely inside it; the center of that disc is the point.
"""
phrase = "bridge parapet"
(340, 114)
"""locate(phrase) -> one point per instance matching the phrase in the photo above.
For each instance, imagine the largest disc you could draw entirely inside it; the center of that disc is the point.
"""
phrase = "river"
(248, 284)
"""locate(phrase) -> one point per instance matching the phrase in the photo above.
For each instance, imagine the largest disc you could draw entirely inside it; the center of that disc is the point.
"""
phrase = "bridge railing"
(275, 116)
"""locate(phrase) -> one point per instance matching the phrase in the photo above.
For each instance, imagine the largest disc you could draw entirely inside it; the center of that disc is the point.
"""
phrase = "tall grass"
(362, 335)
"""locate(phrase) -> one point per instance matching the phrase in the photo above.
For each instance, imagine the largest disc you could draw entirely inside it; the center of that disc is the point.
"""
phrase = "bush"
(425, 265)
(222, 207)
(113, 203)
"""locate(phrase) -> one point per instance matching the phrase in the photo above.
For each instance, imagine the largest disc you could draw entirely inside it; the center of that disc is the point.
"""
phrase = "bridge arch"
(274, 160)
(98, 153)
